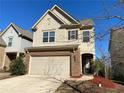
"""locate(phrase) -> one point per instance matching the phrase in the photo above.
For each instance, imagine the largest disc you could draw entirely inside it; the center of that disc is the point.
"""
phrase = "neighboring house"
(16, 40)
(116, 49)
(2, 50)
(61, 45)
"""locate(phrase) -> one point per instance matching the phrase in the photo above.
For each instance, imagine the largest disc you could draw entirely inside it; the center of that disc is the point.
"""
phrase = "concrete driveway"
(29, 84)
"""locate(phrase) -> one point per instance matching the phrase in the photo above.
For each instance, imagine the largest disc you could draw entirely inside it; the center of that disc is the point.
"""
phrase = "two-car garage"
(52, 65)
(61, 61)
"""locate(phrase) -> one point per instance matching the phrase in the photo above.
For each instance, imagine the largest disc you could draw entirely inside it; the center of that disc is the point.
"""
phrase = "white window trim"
(71, 33)
(9, 41)
(85, 36)
(49, 36)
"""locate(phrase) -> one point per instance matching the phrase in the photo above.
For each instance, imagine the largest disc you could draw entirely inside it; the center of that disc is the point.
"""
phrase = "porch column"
(17, 55)
(4, 59)
(75, 64)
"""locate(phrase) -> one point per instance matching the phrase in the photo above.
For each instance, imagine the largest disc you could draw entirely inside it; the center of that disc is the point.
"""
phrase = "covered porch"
(9, 57)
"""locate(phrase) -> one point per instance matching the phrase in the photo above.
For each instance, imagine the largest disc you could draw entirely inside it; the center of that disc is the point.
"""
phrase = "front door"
(86, 63)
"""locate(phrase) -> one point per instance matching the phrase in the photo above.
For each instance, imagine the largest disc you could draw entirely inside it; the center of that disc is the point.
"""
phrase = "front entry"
(86, 63)
(8, 59)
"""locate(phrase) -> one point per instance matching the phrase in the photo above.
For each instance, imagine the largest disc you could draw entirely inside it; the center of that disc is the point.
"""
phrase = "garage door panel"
(58, 65)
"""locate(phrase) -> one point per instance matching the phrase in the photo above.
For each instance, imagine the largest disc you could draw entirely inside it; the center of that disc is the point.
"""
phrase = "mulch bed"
(104, 82)
(90, 86)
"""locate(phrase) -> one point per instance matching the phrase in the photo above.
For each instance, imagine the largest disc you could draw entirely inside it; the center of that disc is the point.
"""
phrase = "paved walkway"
(28, 84)
(83, 78)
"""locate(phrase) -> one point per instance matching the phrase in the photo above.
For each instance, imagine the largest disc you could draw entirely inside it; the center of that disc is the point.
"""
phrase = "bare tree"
(109, 15)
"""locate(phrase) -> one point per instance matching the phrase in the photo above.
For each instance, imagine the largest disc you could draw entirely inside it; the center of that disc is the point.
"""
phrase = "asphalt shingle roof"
(23, 32)
(87, 22)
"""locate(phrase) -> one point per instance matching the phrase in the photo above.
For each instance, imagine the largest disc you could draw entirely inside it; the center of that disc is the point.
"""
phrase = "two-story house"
(16, 40)
(61, 45)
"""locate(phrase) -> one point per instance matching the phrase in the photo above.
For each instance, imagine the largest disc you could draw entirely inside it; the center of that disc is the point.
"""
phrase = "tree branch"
(111, 17)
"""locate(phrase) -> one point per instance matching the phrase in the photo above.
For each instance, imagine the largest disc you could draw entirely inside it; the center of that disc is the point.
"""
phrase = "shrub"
(98, 68)
(17, 67)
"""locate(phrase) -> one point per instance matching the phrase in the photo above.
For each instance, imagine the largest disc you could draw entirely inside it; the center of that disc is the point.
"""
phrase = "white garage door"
(57, 65)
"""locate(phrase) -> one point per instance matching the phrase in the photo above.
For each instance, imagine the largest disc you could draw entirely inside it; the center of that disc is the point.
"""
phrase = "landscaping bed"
(90, 86)
(103, 82)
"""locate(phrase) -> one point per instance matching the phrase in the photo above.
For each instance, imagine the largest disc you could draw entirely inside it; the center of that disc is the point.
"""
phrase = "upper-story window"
(10, 39)
(72, 34)
(86, 36)
(49, 36)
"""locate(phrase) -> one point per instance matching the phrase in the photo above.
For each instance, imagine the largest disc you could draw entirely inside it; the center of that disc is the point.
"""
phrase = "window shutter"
(68, 35)
(76, 34)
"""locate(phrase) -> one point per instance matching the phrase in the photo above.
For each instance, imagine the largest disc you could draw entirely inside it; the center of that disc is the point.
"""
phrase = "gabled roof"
(84, 24)
(74, 21)
(24, 32)
(20, 31)
(71, 26)
(87, 22)
(58, 18)
(2, 43)
(53, 15)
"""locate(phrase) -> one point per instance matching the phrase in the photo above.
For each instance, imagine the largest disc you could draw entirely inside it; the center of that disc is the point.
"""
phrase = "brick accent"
(75, 64)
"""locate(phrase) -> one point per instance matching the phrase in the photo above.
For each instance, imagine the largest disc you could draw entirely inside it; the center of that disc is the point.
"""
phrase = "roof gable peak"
(48, 11)
(18, 30)
(69, 16)
(10, 25)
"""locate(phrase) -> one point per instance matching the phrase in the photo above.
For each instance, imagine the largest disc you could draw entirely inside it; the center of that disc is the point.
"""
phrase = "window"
(72, 34)
(48, 36)
(45, 37)
(86, 36)
(52, 37)
(10, 41)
